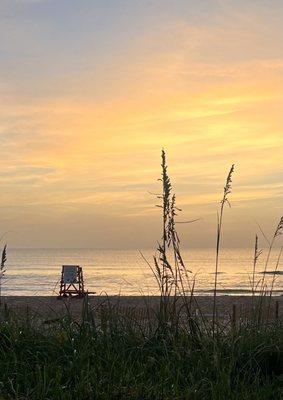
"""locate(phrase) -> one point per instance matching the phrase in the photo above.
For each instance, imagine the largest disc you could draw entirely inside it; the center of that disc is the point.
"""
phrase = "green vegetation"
(121, 360)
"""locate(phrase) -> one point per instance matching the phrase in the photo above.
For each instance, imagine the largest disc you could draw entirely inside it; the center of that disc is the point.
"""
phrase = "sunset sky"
(91, 90)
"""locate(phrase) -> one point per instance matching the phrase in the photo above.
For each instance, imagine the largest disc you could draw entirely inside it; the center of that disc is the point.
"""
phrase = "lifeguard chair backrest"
(70, 273)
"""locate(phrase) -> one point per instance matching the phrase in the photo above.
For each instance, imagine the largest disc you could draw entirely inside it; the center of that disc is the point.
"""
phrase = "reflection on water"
(37, 271)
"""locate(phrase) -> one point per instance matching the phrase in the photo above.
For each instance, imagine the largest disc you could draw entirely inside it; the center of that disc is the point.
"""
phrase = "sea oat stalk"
(257, 254)
(226, 192)
(273, 281)
(277, 233)
(2, 269)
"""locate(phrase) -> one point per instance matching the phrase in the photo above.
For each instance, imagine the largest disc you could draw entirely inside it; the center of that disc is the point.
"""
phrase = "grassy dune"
(119, 359)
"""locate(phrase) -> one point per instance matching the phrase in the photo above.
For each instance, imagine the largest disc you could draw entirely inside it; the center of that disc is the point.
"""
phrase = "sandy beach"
(49, 307)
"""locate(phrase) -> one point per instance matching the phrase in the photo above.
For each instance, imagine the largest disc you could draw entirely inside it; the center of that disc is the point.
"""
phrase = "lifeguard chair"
(72, 282)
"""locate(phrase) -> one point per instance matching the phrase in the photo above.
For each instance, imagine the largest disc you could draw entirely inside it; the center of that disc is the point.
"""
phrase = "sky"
(92, 90)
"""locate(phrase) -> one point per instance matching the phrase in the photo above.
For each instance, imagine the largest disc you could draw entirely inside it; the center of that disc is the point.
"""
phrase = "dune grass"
(116, 360)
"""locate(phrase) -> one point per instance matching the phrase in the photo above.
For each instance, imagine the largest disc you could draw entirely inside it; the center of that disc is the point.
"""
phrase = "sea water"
(37, 271)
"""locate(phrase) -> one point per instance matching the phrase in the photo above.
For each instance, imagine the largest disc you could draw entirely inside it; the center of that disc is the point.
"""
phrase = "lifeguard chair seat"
(72, 282)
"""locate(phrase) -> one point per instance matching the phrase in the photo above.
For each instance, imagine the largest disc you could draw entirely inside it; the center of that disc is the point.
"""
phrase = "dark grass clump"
(85, 360)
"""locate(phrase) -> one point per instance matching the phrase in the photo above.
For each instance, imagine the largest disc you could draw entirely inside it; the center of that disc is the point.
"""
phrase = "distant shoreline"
(198, 293)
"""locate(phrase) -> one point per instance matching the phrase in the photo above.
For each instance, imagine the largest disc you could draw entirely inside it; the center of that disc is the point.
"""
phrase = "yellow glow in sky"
(84, 117)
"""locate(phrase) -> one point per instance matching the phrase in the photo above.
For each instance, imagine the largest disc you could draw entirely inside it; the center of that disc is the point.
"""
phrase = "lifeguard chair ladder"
(72, 282)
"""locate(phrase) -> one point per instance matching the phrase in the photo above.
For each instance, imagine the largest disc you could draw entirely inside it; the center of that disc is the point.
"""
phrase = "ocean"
(36, 272)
